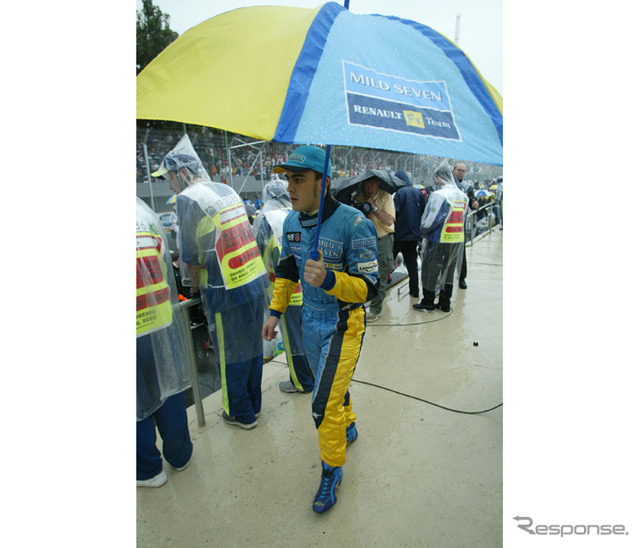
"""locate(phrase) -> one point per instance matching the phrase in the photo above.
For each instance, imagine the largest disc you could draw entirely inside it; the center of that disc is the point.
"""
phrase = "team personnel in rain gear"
(267, 228)
(465, 186)
(217, 244)
(161, 357)
(442, 225)
(335, 288)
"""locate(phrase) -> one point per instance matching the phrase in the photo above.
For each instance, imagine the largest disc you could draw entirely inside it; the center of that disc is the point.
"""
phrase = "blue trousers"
(171, 420)
(240, 363)
(241, 388)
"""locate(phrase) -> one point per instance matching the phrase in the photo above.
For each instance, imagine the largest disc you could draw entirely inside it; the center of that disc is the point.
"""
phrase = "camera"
(364, 207)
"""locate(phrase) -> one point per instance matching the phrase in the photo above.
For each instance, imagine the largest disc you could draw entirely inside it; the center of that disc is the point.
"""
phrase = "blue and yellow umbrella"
(328, 76)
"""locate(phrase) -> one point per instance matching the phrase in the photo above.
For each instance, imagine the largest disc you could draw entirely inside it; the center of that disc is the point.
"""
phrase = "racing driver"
(335, 288)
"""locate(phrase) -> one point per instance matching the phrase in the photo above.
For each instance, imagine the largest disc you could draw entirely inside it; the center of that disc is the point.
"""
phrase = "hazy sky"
(480, 21)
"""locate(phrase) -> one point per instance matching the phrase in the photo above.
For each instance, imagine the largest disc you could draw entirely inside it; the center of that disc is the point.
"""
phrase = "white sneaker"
(371, 317)
(155, 481)
(183, 467)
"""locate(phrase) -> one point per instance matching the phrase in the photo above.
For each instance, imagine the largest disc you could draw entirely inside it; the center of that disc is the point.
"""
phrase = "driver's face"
(304, 191)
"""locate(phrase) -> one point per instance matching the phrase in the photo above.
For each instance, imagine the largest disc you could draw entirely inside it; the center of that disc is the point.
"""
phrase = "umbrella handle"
(315, 255)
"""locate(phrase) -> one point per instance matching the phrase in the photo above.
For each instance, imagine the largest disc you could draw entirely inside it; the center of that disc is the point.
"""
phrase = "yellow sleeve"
(282, 291)
(350, 289)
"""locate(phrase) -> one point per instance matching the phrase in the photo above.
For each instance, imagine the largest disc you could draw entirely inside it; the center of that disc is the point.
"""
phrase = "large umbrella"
(325, 75)
(388, 182)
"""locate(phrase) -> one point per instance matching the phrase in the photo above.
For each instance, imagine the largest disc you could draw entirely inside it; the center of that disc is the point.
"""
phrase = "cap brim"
(294, 169)
(162, 171)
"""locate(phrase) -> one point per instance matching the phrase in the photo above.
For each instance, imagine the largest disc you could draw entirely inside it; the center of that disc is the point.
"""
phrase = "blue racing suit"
(333, 316)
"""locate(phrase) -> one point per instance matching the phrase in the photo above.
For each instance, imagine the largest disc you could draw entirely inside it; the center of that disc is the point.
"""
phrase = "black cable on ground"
(413, 397)
(409, 324)
(409, 395)
(426, 401)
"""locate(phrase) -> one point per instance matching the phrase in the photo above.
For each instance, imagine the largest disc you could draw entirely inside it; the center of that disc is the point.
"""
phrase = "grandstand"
(252, 161)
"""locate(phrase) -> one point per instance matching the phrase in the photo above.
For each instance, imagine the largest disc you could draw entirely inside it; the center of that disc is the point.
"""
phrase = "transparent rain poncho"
(161, 336)
(183, 167)
(215, 233)
(267, 229)
(442, 225)
(183, 155)
(267, 226)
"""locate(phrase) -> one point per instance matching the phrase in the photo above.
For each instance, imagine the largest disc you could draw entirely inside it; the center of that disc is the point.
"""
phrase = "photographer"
(382, 211)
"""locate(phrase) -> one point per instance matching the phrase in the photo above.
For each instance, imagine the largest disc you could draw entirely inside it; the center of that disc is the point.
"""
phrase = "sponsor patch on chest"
(331, 249)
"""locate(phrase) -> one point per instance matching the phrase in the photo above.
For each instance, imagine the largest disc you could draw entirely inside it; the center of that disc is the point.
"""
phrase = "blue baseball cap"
(305, 158)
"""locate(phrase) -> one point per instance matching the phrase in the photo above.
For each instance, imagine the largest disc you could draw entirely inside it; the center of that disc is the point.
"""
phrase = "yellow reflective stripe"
(153, 315)
(241, 272)
(287, 348)
(153, 318)
(237, 276)
(205, 226)
(151, 288)
(223, 362)
(446, 235)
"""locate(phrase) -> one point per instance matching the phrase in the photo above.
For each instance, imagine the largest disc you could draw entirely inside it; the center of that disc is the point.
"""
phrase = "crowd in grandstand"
(212, 148)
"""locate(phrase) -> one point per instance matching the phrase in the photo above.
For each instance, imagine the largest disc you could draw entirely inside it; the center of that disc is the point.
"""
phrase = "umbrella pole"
(226, 144)
(146, 161)
(315, 255)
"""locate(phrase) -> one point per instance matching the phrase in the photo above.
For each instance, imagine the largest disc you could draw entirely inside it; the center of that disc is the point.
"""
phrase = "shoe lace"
(325, 482)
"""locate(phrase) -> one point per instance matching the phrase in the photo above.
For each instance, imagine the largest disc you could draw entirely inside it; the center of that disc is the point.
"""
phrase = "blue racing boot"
(352, 433)
(329, 484)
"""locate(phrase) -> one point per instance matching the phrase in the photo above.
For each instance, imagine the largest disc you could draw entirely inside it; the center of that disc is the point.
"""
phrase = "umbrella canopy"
(482, 193)
(325, 75)
(172, 200)
(388, 182)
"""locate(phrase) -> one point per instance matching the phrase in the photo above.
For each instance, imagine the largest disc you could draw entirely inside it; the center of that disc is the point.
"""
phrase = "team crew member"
(161, 357)
(217, 244)
(442, 225)
(334, 289)
(267, 228)
(458, 175)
